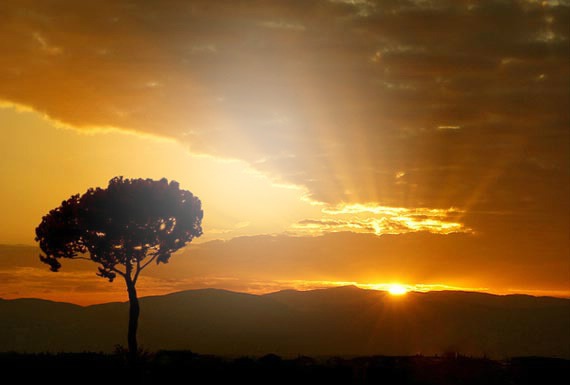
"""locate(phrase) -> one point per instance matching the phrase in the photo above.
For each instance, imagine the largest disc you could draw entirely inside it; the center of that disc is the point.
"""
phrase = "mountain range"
(345, 321)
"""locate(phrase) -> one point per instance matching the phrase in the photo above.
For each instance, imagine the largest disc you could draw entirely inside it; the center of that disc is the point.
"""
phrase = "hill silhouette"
(336, 321)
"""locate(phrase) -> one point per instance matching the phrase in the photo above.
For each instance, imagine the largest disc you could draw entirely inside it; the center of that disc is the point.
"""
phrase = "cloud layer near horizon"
(261, 264)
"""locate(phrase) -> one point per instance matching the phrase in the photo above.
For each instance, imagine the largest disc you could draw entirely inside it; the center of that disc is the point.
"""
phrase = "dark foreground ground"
(179, 367)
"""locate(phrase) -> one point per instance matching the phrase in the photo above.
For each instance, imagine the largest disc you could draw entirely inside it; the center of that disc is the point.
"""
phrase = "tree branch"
(149, 261)
(140, 268)
(137, 272)
(118, 272)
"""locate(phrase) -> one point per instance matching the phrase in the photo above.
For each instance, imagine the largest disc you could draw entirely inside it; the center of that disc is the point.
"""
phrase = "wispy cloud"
(45, 46)
(283, 25)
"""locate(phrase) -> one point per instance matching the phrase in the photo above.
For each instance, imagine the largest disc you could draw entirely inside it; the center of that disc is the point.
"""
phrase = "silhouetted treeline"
(182, 367)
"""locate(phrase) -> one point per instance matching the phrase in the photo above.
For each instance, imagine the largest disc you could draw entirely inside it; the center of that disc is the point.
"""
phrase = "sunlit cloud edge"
(84, 129)
(378, 219)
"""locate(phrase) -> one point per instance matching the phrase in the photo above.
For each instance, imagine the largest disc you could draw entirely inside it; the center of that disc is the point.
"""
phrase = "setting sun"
(397, 289)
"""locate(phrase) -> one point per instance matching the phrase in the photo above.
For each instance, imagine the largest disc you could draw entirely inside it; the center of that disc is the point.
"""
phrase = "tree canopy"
(124, 227)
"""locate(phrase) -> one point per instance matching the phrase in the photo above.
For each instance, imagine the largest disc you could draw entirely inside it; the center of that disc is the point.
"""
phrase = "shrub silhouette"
(124, 228)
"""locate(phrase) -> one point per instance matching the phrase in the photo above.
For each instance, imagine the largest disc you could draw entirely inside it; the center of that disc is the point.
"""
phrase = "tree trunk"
(134, 311)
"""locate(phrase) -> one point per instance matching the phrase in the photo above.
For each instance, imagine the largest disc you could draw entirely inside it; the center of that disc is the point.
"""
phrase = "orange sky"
(329, 141)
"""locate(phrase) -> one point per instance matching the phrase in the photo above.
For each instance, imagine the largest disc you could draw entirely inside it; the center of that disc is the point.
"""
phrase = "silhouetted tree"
(124, 228)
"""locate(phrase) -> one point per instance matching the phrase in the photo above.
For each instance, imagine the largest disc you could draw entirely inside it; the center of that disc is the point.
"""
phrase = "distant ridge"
(334, 321)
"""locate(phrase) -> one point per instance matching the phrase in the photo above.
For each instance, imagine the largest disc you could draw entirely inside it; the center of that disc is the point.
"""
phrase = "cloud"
(258, 264)
(377, 219)
(449, 127)
(45, 46)
(336, 97)
(283, 25)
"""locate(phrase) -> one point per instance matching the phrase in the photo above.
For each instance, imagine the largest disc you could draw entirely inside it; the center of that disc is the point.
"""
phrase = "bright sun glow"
(397, 289)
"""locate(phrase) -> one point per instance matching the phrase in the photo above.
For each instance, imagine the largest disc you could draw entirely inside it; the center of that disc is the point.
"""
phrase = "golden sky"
(330, 141)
